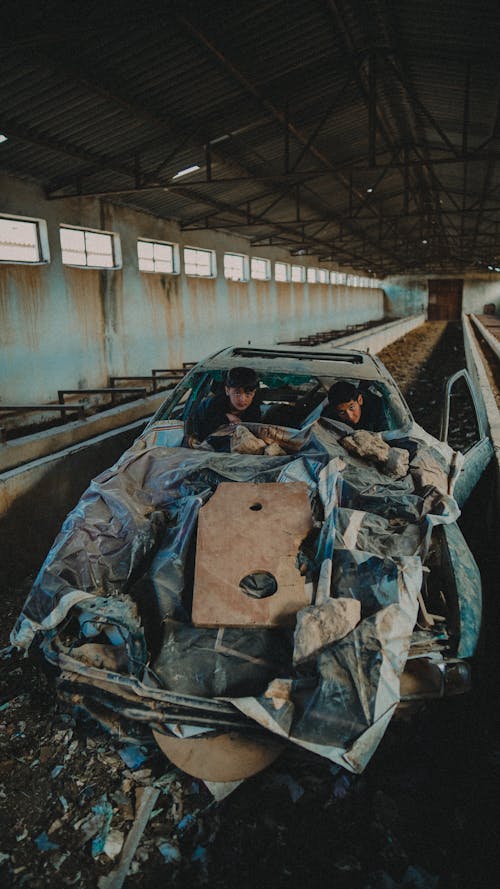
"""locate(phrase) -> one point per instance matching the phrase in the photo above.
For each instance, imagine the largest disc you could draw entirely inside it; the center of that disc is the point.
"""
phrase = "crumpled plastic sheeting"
(225, 661)
(127, 549)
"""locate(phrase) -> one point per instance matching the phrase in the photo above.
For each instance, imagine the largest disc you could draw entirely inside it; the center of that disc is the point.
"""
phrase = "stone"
(245, 442)
(320, 625)
(369, 445)
(398, 461)
(274, 450)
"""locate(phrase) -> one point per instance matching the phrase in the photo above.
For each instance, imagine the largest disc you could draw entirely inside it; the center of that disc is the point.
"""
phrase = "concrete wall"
(34, 499)
(406, 294)
(480, 290)
(63, 327)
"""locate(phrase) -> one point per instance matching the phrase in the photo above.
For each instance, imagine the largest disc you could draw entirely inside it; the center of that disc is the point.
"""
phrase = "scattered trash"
(186, 822)
(56, 771)
(96, 826)
(102, 810)
(132, 756)
(169, 852)
(113, 844)
(44, 844)
(200, 855)
(59, 861)
(116, 877)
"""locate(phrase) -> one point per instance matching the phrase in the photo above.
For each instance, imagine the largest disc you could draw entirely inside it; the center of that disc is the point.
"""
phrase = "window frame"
(267, 263)
(213, 261)
(302, 270)
(42, 240)
(244, 267)
(286, 266)
(116, 250)
(175, 256)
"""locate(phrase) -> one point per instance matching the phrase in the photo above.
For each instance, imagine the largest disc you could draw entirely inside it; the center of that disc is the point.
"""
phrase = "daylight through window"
(157, 256)
(260, 269)
(199, 263)
(89, 249)
(298, 273)
(281, 271)
(235, 267)
(23, 240)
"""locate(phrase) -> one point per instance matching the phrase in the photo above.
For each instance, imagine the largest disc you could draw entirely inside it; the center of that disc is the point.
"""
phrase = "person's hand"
(233, 418)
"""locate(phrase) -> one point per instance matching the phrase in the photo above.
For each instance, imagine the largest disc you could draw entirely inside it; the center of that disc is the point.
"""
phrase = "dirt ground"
(424, 814)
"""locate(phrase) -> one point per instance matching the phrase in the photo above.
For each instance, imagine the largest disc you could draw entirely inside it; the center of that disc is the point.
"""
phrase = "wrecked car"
(287, 581)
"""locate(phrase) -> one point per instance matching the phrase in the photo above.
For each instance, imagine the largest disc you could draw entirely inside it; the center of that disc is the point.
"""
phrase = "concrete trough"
(476, 368)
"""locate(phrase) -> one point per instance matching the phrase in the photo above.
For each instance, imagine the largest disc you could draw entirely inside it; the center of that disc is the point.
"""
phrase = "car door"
(464, 428)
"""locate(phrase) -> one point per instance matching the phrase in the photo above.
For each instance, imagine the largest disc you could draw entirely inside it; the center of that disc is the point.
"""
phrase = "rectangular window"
(281, 271)
(312, 276)
(87, 248)
(260, 269)
(23, 240)
(158, 256)
(235, 267)
(322, 276)
(199, 263)
(298, 273)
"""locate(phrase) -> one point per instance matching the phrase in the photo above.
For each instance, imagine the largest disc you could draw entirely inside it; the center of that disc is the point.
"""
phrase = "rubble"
(320, 625)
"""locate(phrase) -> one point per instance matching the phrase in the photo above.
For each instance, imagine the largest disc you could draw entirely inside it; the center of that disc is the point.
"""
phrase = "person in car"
(236, 404)
(361, 410)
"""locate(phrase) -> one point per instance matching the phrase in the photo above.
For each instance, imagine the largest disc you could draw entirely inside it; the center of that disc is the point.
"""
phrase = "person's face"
(350, 411)
(240, 397)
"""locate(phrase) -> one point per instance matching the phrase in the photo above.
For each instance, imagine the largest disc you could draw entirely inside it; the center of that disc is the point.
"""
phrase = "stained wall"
(63, 327)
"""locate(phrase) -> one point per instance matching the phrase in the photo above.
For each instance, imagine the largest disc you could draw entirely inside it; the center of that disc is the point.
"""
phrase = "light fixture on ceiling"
(369, 189)
(187, 170)
(425, 241)
(3, 138)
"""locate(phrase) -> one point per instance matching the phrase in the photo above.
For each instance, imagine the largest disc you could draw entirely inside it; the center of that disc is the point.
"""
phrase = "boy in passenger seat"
(361, 410)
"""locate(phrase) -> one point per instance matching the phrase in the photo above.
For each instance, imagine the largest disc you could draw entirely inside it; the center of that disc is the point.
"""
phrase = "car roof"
(335, 362)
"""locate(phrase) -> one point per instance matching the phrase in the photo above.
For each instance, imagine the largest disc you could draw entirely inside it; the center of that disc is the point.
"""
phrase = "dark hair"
(242, 377)
(342, 392)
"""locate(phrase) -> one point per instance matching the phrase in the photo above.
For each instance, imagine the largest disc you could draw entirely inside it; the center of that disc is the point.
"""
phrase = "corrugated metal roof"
(339, 126)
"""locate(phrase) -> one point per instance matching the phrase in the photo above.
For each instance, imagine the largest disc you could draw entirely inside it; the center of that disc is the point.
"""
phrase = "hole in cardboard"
(259, 584)
(256, 506)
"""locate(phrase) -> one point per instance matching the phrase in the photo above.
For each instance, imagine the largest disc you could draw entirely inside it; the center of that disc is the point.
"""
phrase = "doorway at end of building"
(445, 299)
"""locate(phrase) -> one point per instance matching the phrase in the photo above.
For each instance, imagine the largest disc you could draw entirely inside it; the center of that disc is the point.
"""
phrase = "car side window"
(460, 424)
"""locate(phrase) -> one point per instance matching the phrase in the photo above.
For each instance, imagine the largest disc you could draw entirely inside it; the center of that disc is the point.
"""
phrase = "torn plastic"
(111, 605)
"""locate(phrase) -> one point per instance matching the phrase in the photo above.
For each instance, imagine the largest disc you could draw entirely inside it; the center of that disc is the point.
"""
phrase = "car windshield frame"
(304, 389)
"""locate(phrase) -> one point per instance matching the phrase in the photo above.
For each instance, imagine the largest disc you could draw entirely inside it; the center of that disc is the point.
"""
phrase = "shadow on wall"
(31, 524)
